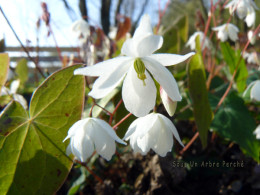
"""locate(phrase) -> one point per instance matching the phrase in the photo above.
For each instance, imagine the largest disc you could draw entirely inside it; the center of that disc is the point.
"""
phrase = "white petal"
(106, 83)
(68, 149)
(109, 130)
(232, 32)
(144, 27)
(5, 91)
(131, 129)
(144, 143)
(164, 141)
(250, 18)
(171, 127)
(78, 126)
(102, 68)
(142, 46)
(19, 98)
(148, 45)
(82, 146)
(14, 86)
(164, 78)
(255, 91)
(169, 105)
(128, 48)
(170, 59)
(138, 99)
(150, 133)
(134, 146)
(257, 132)
(222, 35)
(104, 144)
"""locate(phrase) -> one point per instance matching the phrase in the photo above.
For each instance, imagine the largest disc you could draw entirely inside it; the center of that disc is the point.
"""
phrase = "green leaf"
(199, 95)
(183, 26)
(22, 70)
(4, 66)
(234, 122)
(232, 58)
(171, 41)
(32, 152)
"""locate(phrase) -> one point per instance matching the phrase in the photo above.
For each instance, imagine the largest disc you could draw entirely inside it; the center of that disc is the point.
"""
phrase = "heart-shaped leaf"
(32, 154)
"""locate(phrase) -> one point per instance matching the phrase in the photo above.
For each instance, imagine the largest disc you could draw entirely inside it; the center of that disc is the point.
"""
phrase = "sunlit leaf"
(32, 154)
(233, 58)
(4, 66)
(199, 95)
(22, 70)
(183, 26)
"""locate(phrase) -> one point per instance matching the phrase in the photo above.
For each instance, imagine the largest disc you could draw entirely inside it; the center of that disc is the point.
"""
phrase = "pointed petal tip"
(66, 138)
(78, 71)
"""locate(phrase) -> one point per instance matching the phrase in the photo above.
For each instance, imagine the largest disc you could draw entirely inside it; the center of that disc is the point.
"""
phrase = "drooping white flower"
(90, 133)
(81, 29)
(192, 41)
(169, 105)
(153, 131)
(257, 132)
(251, 58)
(226, 31)
(138, 91)
(12, 92)
(245, 9)
(254, 88)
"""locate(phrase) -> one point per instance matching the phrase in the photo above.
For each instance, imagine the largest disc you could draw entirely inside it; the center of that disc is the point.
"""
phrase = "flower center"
(140, 69)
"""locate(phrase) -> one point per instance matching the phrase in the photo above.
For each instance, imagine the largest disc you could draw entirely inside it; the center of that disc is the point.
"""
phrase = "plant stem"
(24, 48)
(112, 115)
(190, 143)
(122, 120)
(90, 171)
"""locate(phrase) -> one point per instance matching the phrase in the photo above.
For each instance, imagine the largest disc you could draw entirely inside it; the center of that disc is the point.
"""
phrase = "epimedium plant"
(58, 126)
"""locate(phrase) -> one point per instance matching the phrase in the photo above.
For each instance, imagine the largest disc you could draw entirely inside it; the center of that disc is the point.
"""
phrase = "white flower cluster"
(136, 69)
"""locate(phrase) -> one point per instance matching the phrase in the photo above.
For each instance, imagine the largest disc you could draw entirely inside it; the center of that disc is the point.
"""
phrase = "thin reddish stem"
(235, 72)
(121, 121)
(190, 143)
(90, 171)
(112, 115)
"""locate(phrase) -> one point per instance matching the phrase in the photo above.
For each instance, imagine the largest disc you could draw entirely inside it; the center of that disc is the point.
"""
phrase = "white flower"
(255, 91)
(251, 58)
(169, 105)
(192, 41)
(81, 29)
(154, 131)
(88, 133)
(254, 88)
(251, 37)
(257, 132)
(226, 31)
(12, 92)
(139, 90)
(244, 9)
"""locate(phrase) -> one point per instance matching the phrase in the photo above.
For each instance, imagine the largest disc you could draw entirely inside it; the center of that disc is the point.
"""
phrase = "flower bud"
(169, 105)
(140, 69)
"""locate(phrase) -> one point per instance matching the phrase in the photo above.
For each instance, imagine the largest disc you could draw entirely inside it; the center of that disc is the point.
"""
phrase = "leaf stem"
(121, 121)
(112, 115)
(190, 143)
(90, 171)
(235, 72)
